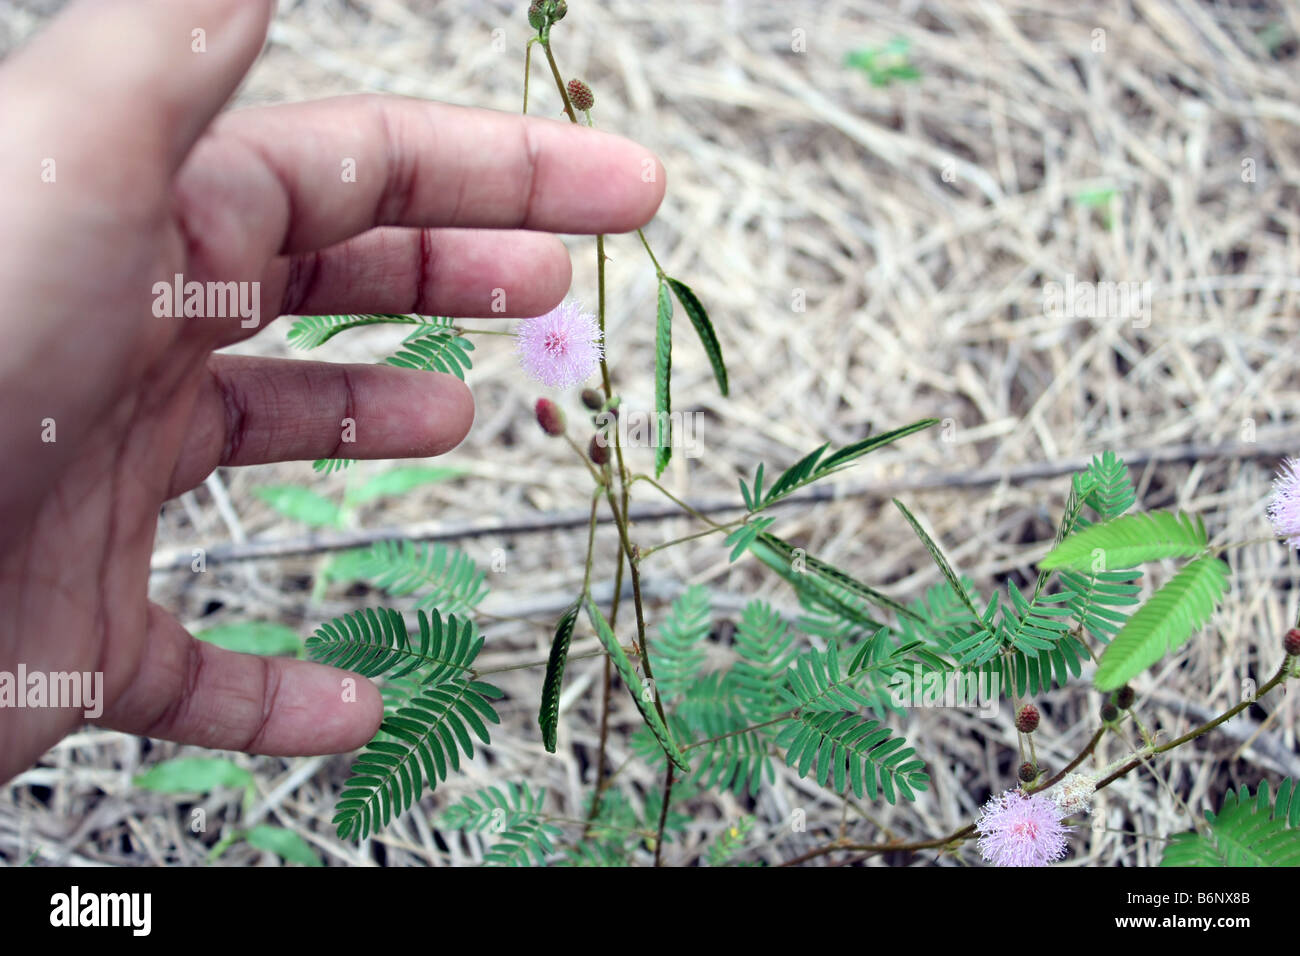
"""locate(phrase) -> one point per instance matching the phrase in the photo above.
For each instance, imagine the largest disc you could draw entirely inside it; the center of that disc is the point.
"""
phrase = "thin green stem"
(630, 651)
(528, 68)
(659, 270)
(559, 81)
(646, 552)
(663, 814)
(591, 541)
(788, 715)
(681, 504)
(463, 331)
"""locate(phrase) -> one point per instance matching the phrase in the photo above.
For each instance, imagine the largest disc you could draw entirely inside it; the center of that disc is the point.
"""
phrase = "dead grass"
(919, 224)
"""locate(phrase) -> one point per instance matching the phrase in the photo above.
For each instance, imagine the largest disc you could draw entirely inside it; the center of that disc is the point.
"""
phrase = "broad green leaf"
(704, 328)
(1129, 540)
(284, 843)
(663, 380)
(253, 637)
(193, 775)
(301, 504)
(1164, 623)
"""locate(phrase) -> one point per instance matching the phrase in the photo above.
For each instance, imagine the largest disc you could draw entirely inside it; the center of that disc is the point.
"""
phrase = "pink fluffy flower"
(1016, 830)
(560, 348)
(1284, 509)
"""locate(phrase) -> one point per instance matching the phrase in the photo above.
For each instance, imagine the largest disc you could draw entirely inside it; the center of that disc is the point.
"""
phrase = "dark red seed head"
(598, 450)
(1027, 719)
(1291, 643)
(1124, 698)
(1027, 773)
(580, 95)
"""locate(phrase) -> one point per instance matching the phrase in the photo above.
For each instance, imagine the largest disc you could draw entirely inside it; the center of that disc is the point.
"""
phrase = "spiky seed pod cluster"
(1027, 719)
(580, 95)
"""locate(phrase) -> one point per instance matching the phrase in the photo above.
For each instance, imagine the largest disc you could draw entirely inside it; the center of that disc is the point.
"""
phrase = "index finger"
(313, 174)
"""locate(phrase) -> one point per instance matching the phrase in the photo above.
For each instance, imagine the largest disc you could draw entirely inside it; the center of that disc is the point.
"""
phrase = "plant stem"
(646, 552)
(528, 64)
(663, 813)
(559, 81)
(681, 504)
(591, 541)
(659, 270)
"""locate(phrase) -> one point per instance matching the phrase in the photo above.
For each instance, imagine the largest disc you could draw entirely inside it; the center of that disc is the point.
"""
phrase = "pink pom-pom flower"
(561, 348)
(1019, 830)
(1284, 509)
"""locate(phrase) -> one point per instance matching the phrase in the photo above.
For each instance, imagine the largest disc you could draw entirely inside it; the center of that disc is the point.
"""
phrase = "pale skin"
(153, 178)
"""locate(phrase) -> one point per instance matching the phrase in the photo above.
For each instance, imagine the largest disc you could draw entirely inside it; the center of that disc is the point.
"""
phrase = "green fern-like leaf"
(677, 652)
(644, 701)
(435, 350)
(1110, 493)
(846, 749)
(1095, 598)
(446, 578)
(1129, 540)
(548, 716)
(422, 741)
(1247, 831)
(766, 649)
(805, 571)
(817, 465)
(513, 814)
(311, 331)
(375, 642)
(730, 756)
(1164, 622)
(937, 556)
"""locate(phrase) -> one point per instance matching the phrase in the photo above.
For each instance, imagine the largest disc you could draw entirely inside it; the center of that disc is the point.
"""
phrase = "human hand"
(120, 175)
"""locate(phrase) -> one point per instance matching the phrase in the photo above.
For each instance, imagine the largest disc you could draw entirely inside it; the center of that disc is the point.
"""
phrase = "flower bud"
(593, 399)
(1125, 697)
(536, 16)
(1027, 719)
(550, 417)
(598, 450)
(1027, 773)
(580, 95)
(561, 8)
(1109, 712)
(1291, 643)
